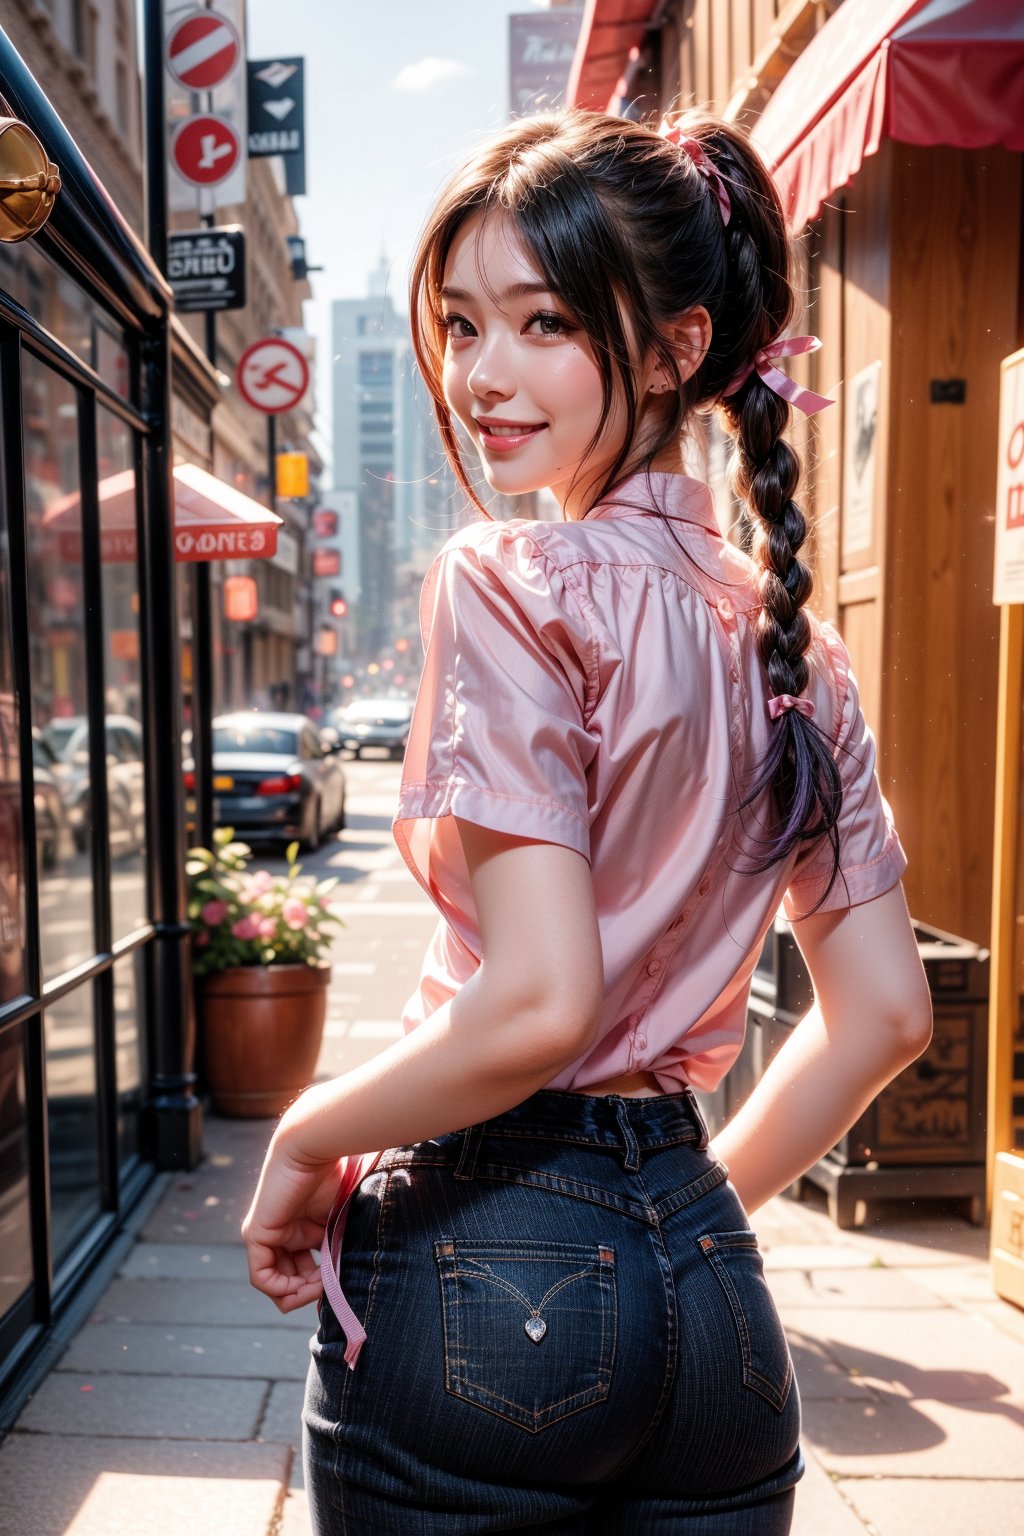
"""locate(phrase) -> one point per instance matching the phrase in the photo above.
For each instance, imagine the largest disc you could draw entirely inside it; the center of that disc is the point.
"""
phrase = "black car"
(272, 778)
(381, 722)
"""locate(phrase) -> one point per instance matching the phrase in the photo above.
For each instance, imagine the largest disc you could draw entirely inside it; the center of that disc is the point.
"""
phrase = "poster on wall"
(1008, 585)
(860, 433)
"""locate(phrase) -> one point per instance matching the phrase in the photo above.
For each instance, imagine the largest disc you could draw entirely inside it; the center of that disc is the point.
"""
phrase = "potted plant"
(259, 948)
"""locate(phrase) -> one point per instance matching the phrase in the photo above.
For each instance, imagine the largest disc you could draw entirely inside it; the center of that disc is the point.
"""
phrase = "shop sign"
(206, 268)
(277, 107)
(860, 458)
(204, 56)
(325, 524)
(327, 562)
(1008, 586)
(272, 375)
(541, 45)
(287, 556)
(292, 476)
(119, 546)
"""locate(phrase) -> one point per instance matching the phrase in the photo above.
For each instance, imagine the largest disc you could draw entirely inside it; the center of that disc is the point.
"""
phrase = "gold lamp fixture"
(29, 182)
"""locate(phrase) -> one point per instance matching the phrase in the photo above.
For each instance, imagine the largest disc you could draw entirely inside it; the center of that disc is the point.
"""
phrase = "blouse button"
(725, 608)
(641, 1042)
(734, 673)
(654, 968)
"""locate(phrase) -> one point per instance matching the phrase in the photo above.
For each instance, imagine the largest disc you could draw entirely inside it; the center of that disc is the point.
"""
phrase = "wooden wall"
(956, 218)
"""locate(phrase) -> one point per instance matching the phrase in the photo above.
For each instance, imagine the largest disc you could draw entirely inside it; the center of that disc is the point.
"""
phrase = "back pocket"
(767, 1363)
(529, 1327)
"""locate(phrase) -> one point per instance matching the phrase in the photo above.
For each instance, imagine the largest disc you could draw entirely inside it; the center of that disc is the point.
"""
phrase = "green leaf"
(291, 853)
(223, 836)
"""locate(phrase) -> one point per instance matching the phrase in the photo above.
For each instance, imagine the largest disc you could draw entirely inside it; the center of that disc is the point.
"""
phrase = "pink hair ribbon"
(703, 165)
(805, 400)
(784, 701)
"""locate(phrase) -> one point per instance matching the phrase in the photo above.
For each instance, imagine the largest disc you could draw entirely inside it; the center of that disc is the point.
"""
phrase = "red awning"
(919, 71)
(212, 521)
(609, 29)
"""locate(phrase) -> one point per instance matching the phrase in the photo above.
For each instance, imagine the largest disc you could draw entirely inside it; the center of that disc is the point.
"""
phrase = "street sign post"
(272, 375)
(206, 269)
(205, 150)
(202, 50)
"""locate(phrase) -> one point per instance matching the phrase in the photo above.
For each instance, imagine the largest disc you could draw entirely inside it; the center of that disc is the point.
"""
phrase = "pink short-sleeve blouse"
(597, 684)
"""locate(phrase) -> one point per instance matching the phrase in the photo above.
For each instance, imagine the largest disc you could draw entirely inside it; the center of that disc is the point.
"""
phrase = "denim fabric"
(568, 1332)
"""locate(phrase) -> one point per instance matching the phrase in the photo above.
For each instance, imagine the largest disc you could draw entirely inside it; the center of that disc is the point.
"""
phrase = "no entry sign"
(272, 375)
(202, 50)
(206, 150)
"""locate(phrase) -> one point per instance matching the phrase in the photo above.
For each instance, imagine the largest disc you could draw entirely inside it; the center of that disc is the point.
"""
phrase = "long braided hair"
(630, 236)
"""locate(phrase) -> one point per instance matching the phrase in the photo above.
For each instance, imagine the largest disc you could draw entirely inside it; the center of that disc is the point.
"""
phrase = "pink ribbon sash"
(352, 1172)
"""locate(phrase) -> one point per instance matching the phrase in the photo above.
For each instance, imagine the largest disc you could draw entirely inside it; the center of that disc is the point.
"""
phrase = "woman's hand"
(285, 1221)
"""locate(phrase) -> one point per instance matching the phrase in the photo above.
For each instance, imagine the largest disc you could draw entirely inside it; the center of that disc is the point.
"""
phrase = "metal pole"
(202, 652)
(172, 1112)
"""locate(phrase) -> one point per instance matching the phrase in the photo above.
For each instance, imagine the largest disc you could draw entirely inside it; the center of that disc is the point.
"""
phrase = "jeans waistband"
(628, 1125)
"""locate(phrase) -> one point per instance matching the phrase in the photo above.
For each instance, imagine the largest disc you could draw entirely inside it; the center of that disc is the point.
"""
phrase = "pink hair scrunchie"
(785, 701)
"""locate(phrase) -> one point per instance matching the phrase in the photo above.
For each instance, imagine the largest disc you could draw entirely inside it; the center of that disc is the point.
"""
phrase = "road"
(376, 957)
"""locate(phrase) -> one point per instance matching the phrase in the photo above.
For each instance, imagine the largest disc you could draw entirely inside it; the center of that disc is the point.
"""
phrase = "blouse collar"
(673, 495)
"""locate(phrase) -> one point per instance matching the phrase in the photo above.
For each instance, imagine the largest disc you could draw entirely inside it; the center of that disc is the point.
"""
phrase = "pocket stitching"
(710, 1245)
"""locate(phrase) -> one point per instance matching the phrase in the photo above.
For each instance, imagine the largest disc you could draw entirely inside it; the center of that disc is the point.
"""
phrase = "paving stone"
(818, 1375)
(295, 1516)
(924, 1439)
(817, 1256)
(937, 1352)
(946, 1507)
(821, 1509)
(282, 1419)
(188, 1350)
(98, 1487)
(858, 1287)
(172, 1407)
(186, 1261)
(214, 1302)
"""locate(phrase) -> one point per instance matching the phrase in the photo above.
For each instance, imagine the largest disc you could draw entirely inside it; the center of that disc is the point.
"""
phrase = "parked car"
(273, 779)
(380, 722)
(68, 740)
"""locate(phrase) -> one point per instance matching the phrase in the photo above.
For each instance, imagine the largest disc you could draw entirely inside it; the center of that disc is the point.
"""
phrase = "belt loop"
(701, 1123)
(465, 1168)
(631, 1162)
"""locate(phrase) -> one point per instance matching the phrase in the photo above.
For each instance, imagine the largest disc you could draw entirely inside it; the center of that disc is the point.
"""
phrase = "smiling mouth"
(504, 436)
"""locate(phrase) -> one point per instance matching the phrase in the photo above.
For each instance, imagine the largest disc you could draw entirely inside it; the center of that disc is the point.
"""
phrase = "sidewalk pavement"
(175, 1408)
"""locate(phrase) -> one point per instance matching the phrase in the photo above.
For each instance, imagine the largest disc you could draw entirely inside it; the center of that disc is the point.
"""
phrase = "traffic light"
(339, 607)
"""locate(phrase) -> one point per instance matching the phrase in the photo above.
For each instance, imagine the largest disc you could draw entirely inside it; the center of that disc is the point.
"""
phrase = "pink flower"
(268, 927)
(202, 937)
(246, 928)
(214, 912)
(256, 886)
(294, 913)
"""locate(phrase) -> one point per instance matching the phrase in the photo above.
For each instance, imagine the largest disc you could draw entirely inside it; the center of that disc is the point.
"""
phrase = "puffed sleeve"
(498, 734)
(871, 856)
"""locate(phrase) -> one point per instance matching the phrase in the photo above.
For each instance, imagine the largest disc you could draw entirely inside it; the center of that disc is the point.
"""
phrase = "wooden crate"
(1008, 1228)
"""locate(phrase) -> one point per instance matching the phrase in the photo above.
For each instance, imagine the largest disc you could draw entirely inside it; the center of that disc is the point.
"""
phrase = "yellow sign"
(292, 475)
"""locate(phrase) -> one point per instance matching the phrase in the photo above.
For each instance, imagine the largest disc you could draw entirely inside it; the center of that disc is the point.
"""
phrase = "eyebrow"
(517, 291)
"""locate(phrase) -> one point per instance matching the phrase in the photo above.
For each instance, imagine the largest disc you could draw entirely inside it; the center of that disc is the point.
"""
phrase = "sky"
(396, 92)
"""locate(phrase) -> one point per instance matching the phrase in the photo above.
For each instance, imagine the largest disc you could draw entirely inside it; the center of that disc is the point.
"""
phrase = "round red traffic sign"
(206, 150)
(272, 375)
(202, 50)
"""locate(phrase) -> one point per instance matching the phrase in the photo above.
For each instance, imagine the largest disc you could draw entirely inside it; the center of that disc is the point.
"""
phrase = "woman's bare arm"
(871, 1017)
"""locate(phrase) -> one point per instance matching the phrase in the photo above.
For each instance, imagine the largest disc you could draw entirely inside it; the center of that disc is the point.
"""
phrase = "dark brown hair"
(629, 236)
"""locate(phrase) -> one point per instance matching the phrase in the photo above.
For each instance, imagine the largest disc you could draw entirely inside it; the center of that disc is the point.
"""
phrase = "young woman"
(631, 744)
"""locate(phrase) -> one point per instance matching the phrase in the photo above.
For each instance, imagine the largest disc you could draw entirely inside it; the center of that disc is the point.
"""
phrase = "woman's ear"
(689, 338)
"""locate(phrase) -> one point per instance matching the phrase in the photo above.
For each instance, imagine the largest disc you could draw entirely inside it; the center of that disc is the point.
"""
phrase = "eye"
(457, 326)
(546, 322)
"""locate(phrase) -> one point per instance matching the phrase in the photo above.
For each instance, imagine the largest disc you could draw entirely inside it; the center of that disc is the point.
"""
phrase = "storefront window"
(68, 313)
(15, 1234)
(73, 1116)
(129, 1000)
(12, 887)
(57, 657)
(126, 782)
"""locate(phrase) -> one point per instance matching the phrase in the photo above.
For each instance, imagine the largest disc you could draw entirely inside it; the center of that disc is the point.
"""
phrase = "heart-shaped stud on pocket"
(536, 1328)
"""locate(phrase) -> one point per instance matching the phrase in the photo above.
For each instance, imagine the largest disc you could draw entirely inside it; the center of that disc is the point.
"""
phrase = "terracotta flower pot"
(261, 1030)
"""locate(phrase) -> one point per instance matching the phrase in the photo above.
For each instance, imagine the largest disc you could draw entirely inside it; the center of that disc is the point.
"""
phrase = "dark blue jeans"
(568, 1332)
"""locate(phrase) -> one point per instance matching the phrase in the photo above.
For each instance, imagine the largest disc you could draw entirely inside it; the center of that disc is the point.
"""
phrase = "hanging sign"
(1008, 586)
(202, 50)
(272, 375)
(277, 107)
(206, 269)
(204, 80)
